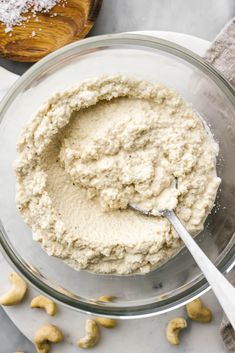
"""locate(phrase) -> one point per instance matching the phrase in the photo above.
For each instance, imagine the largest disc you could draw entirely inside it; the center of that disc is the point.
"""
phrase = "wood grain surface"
(40, 36)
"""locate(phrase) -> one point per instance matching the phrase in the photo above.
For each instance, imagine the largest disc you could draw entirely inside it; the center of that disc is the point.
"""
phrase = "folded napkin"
(221, 55)
(226, 330)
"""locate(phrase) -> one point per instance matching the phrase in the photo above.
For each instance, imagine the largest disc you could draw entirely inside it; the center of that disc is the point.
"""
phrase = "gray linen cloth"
(221, 55)
(226, 330)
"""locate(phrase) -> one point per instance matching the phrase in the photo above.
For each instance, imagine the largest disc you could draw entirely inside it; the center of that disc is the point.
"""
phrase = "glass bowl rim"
(198, 285)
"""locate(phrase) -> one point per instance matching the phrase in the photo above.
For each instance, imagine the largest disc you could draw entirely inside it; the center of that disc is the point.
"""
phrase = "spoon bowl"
(221, 287)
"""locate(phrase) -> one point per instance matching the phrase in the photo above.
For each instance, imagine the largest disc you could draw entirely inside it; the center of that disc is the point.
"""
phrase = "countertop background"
(202, 18)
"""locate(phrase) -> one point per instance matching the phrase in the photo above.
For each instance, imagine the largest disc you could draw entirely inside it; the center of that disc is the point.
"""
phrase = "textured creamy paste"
(95, 148)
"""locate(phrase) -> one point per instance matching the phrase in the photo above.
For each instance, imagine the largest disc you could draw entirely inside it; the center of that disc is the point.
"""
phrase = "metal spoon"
(223, 290)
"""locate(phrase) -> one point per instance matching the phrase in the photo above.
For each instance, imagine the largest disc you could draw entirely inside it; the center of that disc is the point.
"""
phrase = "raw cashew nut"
(92, 335)
(44, 303)
(45, 335)
(173, 329)
(105, 298)
(106, 322)
(198, 312)
(17, 292)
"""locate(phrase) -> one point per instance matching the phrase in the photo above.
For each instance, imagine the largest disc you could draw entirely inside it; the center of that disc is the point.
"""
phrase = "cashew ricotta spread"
(93, 149)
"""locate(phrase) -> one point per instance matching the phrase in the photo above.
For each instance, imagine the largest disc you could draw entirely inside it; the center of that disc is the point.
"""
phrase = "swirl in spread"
(95, 148)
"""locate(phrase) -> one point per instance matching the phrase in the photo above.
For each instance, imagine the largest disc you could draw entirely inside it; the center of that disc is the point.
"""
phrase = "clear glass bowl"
(178, 280)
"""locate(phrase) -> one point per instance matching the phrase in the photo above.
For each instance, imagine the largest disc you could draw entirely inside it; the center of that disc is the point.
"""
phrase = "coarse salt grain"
(12, 11)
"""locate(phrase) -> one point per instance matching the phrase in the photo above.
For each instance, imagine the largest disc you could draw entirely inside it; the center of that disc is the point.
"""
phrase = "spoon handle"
(223, 290)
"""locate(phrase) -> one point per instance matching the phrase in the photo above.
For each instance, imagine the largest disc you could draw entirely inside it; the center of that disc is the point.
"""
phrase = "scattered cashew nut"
(92, 335)
(103, 321)
(45, 335)
(198, 312)
(173, 329)
(106, 322)
(105, 298)
(44, 303)
(17, 292)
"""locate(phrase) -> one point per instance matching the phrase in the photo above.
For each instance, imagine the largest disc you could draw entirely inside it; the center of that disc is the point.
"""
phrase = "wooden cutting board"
(37, 38)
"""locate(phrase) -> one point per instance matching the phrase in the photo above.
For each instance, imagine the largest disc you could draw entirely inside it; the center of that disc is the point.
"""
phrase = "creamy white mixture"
(95, 148)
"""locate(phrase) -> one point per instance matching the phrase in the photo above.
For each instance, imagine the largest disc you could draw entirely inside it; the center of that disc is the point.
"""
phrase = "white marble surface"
(142, 335)
(203, 18)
